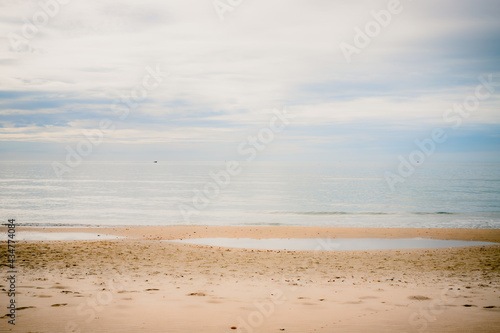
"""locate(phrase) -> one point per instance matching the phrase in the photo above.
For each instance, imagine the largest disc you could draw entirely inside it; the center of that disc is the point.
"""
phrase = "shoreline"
(262, 232)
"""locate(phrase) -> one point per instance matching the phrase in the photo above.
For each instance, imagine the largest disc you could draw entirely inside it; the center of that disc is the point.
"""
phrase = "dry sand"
(144, 284)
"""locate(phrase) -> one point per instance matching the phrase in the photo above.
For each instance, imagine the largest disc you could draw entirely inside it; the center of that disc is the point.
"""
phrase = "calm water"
(322, 244)
(42, 236)
(464, 195)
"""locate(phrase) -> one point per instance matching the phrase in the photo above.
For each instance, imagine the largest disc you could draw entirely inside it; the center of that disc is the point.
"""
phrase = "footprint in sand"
(213, 301)
(419, 298)
(368, 297)
(353, 302)
(197, 294)
(26, 307)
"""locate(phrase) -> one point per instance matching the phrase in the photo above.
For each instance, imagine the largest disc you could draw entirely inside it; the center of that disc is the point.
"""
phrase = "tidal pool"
(326, 244)
(40, 236)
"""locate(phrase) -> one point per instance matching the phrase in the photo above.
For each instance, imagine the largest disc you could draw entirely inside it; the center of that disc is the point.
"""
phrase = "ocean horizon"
(437, 195)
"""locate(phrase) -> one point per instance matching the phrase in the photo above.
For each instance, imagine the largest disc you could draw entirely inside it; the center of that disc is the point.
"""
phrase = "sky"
(195, 80)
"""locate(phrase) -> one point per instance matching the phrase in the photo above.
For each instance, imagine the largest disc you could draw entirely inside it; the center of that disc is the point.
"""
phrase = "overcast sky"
(63, 73)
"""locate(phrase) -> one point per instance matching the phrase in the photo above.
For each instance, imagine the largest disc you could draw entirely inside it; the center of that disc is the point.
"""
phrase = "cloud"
(223, 78)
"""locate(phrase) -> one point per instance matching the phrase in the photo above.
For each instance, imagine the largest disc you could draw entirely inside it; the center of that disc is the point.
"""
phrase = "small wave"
(328, 213)
(357, 213)
(432, 213)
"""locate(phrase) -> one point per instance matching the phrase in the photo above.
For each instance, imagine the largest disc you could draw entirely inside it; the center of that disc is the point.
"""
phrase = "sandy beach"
(142, 283)
(249, 166)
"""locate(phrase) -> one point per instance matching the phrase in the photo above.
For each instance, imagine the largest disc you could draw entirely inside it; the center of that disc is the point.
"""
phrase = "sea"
(336, 194)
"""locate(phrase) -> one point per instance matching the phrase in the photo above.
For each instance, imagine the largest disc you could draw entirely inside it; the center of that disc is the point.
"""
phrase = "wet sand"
(144, 284)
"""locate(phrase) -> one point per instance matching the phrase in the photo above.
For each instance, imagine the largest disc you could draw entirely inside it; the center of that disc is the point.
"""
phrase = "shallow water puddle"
(39, 236)
(323, 244)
